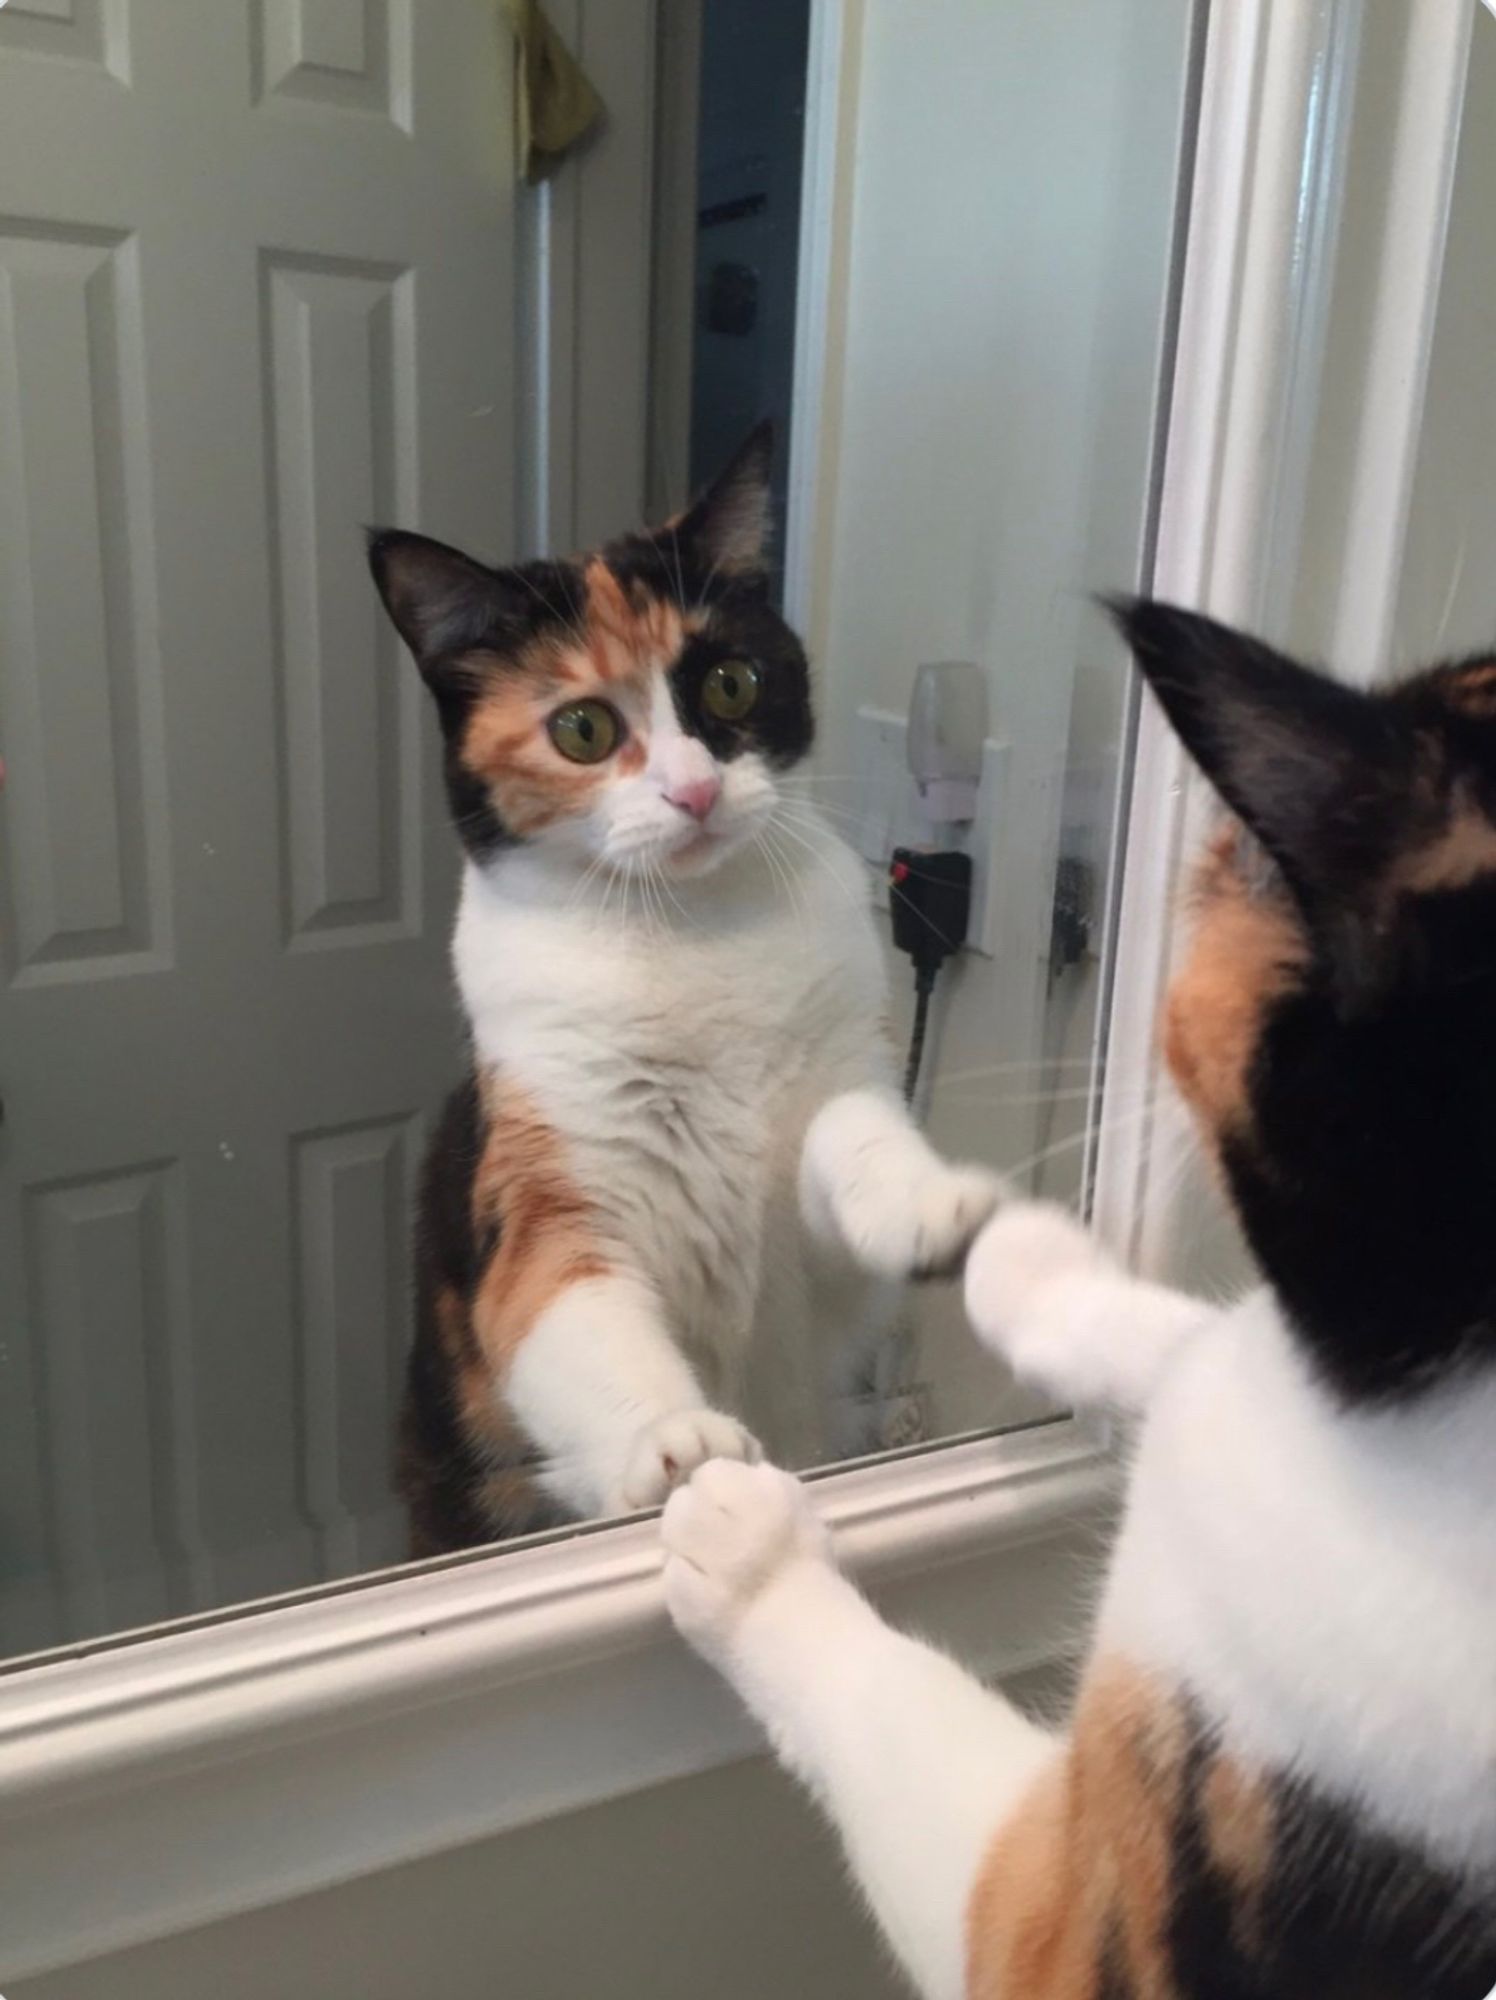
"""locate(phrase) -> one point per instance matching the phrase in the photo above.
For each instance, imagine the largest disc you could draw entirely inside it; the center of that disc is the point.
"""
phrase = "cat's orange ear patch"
(1247, 949)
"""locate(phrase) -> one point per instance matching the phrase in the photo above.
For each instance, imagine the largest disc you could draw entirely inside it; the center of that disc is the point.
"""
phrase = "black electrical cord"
(929, 901)
(924, 986)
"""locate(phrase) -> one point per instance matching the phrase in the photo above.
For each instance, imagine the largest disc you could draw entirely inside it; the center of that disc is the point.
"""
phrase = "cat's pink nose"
(696, 797)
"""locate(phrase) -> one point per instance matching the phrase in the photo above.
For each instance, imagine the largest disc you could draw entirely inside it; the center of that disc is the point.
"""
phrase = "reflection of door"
(255, 264)
(751, 139)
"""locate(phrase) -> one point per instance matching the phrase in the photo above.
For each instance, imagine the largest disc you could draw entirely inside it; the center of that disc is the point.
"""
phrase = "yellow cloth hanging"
(556, 105)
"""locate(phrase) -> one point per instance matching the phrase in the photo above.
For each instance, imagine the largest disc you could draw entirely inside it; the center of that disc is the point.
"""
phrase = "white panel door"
(256, 262)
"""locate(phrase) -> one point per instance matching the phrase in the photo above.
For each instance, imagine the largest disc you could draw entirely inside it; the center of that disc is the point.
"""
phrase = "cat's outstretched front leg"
(871, 1183)
(1045, 1296)
(916, 1762)
(605, 1392)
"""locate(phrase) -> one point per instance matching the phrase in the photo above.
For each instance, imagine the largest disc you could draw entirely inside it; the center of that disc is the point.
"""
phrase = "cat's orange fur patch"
(1082, 1877)
(547, 1231)
(627, 634)
(618, 644)
(1246, 950)
(1239, 1822)
(1460, 853)
(1472, 690)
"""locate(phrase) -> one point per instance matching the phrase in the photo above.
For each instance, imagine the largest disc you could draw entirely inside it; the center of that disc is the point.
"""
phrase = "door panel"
(263, 299)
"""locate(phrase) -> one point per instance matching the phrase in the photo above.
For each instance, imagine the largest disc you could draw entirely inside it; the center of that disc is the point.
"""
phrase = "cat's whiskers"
(654, 882)
(1456, 574)
(785, 874)
(680, 582)
(764, 843)
(818, 851)
(997, 1100)
(580, 886)
(817, 811)
(981, 1070)
(1118, 1121)
(664, 883)
(571, 624)
(775, 867)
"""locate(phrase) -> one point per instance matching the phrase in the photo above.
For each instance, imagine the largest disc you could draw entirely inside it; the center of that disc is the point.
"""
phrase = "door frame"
(272, 1752)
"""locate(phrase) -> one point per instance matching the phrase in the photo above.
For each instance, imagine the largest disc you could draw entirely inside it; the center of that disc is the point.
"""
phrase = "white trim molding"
(1424, 143)
(1278, 91)
(825, 195)
(149, 1787)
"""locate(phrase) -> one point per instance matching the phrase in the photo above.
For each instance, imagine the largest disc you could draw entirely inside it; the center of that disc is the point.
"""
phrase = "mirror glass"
(453, 1032)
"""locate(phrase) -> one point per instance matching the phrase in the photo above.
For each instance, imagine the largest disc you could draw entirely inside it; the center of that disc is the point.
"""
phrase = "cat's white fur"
(683, 1035)
(1324, 1583)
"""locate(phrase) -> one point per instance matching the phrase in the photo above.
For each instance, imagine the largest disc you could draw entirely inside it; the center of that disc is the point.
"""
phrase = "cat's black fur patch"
(1369, 1187)
(779, 725)
(1343, 1913)
(467, 607)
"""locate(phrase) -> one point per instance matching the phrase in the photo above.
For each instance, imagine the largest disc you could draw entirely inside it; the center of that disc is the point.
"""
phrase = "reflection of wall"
(1001, 293)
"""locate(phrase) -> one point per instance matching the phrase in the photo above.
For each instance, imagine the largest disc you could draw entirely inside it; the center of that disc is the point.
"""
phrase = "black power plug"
(929, 900)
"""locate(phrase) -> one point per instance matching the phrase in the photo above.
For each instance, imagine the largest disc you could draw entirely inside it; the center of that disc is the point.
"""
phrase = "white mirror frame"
(152, 1786)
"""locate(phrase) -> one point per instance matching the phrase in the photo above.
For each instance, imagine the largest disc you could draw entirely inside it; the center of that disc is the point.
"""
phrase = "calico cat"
(656, 1212)
(1281, 1776)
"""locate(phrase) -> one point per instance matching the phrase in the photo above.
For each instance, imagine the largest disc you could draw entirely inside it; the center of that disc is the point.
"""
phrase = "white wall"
(725, 1885)
(1009, 177)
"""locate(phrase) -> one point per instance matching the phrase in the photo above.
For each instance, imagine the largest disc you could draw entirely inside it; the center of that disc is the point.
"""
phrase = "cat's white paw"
(669, 1450)
(1020, 1255)
(918, 1226)
(1021, 1251)
(729, 1536)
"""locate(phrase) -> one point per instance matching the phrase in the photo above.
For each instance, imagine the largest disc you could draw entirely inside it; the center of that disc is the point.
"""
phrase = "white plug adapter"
(947, 727)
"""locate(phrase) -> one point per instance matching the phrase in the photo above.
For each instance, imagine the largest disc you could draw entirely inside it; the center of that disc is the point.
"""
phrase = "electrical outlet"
(889, 815)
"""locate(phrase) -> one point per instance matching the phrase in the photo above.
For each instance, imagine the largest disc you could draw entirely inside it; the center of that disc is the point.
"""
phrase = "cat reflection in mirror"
(656, 1217)
(1280, 1782)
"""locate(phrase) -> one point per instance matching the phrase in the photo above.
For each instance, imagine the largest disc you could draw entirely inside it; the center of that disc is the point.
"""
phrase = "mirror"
(312, 1260)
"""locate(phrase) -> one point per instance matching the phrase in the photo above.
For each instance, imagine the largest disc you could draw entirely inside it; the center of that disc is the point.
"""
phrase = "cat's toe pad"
(728, 1535)
(921, 1228)
(667, 1452)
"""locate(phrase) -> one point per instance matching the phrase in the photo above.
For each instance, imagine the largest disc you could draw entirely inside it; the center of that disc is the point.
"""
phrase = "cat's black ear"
(441, 601)
(1320, 772)
(726, 530)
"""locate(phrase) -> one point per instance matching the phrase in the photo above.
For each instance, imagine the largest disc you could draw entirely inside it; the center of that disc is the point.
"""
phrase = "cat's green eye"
(730, 689)
(585, 731)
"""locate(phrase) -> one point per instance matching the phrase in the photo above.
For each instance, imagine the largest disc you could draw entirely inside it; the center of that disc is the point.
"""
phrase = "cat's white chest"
(680, 1061)
(1325, 1581)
